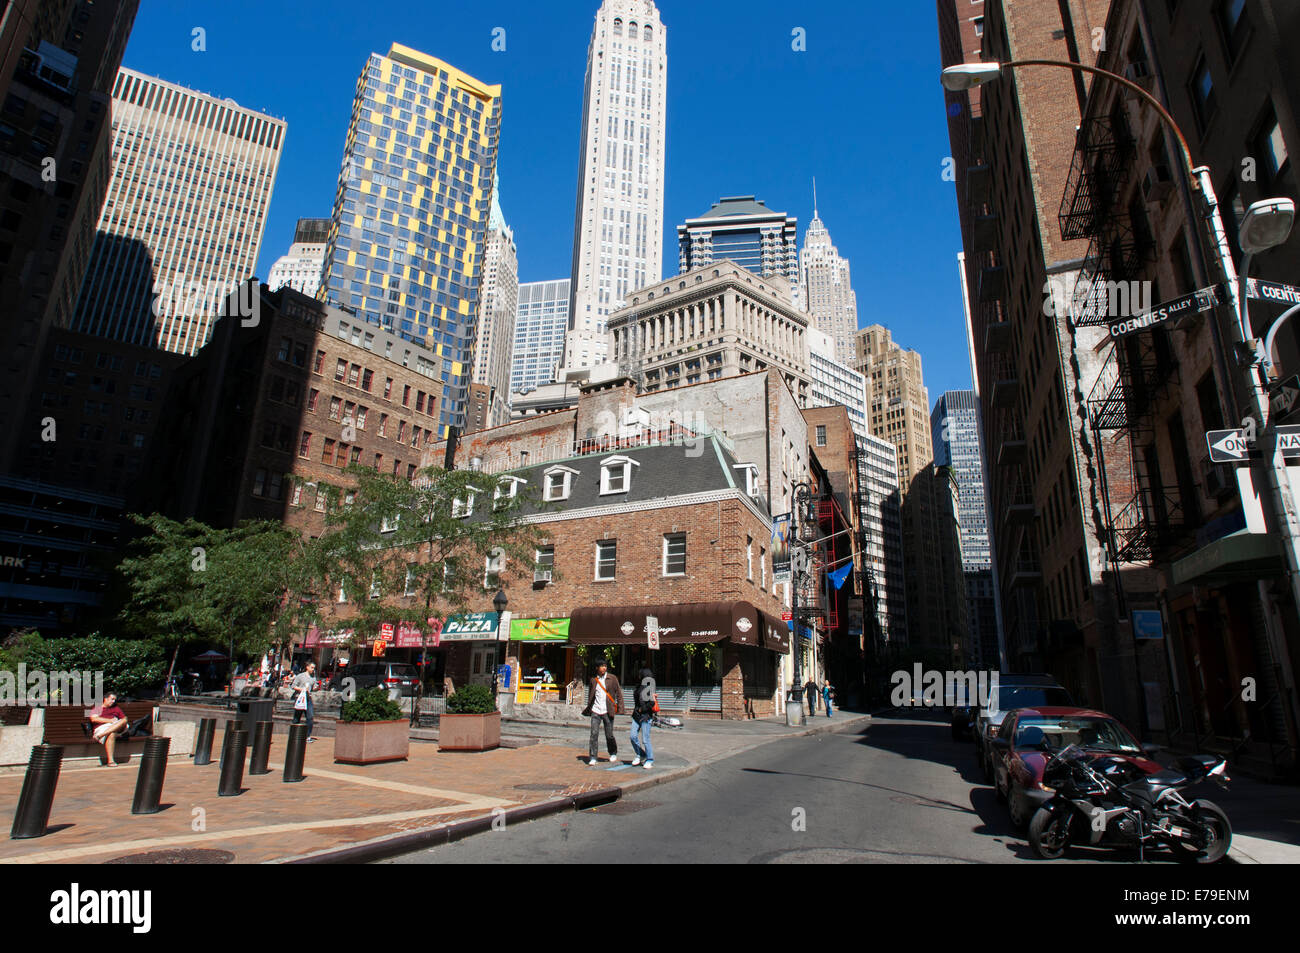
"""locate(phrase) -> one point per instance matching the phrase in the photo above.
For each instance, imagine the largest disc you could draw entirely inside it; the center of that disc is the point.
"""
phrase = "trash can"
(253, 710)
(794, 714)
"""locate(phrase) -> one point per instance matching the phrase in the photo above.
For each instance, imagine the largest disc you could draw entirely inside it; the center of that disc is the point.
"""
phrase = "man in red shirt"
(109, 722)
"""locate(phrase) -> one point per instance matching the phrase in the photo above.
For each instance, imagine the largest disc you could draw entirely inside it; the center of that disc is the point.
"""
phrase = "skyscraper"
(825, 289)
(618, 227)
(541, 321)
(57, 62)
(498, 303)
(954, 427)
(410, 219)
(301, 268)
(182, 222)
(742, 229)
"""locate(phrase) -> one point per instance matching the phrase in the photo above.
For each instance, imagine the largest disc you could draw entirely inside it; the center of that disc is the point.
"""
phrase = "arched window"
(631, 30)
(618, 26)
(647, 34)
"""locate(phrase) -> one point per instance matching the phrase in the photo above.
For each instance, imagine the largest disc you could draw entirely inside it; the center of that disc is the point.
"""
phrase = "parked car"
(1029, 736)
(390, 675)
(1014, 691)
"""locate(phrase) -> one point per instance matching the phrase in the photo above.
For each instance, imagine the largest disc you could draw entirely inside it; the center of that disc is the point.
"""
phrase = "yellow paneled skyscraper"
(411, 211)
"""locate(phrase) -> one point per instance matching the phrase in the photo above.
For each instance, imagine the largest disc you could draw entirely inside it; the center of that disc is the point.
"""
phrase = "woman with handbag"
(643, 713)
(604, 701)
(303, 685)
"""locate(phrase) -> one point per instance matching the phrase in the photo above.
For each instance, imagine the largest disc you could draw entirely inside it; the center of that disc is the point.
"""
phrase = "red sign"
(787, 616)
(386, 631)
(435, 632)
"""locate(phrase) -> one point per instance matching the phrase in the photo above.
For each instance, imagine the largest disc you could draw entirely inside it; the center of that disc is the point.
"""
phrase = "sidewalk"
(341, 807)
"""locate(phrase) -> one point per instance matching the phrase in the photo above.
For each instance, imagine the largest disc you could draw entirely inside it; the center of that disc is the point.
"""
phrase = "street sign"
(1229, 446)
(787, 615)
(1283, 396)
(652, 631)
(1194, 303)
(386, 631)
(1260, 290)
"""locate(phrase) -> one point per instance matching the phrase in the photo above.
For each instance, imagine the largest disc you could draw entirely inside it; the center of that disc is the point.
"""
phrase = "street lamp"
(1266, 225)
(498, 603)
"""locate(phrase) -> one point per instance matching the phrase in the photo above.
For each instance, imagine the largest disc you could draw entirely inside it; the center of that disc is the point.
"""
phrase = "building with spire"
(618, 224)
(825, 289)
(498, 301)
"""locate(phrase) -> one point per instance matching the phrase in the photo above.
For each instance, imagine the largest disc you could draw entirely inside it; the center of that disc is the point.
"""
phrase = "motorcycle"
(1105, 801)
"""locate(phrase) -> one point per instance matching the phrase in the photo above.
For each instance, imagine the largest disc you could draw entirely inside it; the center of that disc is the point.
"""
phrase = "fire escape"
(1143, 514)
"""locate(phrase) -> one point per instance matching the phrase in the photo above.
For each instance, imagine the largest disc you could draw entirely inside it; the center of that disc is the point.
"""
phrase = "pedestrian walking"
(827, 692)
(303, 685)
(604, 701)
(810, 688)
(643, 713)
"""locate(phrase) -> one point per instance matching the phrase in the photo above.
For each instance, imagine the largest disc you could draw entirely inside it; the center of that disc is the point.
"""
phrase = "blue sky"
(861, 109)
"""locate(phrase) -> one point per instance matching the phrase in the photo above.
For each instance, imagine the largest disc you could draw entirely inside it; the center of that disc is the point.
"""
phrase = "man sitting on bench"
(108, 724)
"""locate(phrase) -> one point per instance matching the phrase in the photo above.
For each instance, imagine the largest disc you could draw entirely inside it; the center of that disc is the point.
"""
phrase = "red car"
(1030, 735)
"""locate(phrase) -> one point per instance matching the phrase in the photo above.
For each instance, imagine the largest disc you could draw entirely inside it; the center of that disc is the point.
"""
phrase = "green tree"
(404, 551)
(188, 582)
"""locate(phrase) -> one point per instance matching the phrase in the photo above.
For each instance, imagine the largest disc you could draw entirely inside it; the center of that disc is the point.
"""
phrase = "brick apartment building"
(264, 417)
(1013, 142)
(1224, 73)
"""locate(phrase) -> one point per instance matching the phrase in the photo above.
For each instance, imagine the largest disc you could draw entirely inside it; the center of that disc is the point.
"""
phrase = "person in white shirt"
(305, 682)
(604, 701)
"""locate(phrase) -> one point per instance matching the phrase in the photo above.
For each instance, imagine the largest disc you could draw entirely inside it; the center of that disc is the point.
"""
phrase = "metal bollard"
(33, 814)
(203, 744)
(231, 726)
(153, 769)
(295, 752)
(232, 764)
(261, 748)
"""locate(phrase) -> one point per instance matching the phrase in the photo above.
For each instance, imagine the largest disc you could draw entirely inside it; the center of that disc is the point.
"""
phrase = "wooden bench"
(63, 722)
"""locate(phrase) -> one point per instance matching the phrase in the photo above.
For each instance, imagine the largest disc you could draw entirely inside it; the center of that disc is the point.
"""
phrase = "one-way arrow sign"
(1229, 446)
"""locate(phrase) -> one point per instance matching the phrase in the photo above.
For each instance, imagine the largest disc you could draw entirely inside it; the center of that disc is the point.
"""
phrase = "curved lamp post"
(1265, 225)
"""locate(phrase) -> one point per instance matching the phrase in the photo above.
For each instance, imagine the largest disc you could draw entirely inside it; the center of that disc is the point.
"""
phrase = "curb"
(394, 844)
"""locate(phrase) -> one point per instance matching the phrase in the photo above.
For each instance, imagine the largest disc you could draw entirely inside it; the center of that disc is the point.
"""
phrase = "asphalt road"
(898, 791)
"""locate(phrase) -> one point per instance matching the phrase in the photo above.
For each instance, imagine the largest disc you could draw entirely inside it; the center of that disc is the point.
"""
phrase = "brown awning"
(698, 622)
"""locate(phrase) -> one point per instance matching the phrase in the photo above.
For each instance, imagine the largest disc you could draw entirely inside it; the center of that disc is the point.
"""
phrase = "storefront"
(546, 658)
(715, 658)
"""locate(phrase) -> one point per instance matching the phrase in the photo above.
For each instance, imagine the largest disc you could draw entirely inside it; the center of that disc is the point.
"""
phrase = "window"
(343, 596)
(821, 435)
(463, 506)
(674, 554)
(389, 523)
(388, 387)
(506, 490)
(383, 425)
(341, 370)
(295, 498)
(327, 452)
(304, 445)
(762, 567)
(286, 348)
(409, 588)
(320, 499)
(749, 558)
(751, 477)
(311, 400)
(1270, 146)
(1234, 26)
(979, 26)
(336, 404)
(374, 585)
(1201, 88)
(559, 480)
(493, 566)
(367, 377)
(320, 362)
(406, 396)
(544, 559)
(616, 474)
(606, 559)
(448, 574)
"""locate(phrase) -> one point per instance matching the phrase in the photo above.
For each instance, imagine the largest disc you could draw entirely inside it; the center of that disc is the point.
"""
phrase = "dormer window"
(464, 506)
(750, 472)
(616, 474)
(389, 523)
(559, 482)
(507, 489)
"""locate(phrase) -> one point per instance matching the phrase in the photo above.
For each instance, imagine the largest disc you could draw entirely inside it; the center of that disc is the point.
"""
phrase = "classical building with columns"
(715, 321)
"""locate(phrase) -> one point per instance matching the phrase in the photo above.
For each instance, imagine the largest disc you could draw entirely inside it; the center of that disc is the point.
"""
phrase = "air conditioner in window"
(542, 575)
(1220, 480)
(1139, 71)
(1157, 183)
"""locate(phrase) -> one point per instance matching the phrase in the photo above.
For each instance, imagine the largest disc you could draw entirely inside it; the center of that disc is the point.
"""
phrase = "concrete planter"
(469, 732)
(371, 742)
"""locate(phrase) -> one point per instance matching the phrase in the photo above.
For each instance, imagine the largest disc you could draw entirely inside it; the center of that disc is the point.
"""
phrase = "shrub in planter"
(371, 704)
(472, 722)
(371, 729)
(472, 700)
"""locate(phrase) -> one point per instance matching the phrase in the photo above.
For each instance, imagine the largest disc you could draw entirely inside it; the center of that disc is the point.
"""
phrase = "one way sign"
(1283, 397)
(1231, 446)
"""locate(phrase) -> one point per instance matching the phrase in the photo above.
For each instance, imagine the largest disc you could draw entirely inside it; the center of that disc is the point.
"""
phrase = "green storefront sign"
(539, 630)
(470, 627)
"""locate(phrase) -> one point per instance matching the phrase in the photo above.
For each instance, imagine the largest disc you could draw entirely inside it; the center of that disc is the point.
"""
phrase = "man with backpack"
(643, 713)
(604, 701)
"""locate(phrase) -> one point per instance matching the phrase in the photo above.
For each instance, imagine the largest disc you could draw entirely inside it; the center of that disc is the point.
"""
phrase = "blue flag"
(839, 575)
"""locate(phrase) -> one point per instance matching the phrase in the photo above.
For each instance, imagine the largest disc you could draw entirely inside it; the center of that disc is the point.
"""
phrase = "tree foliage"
(128, 664)
(403, 551)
